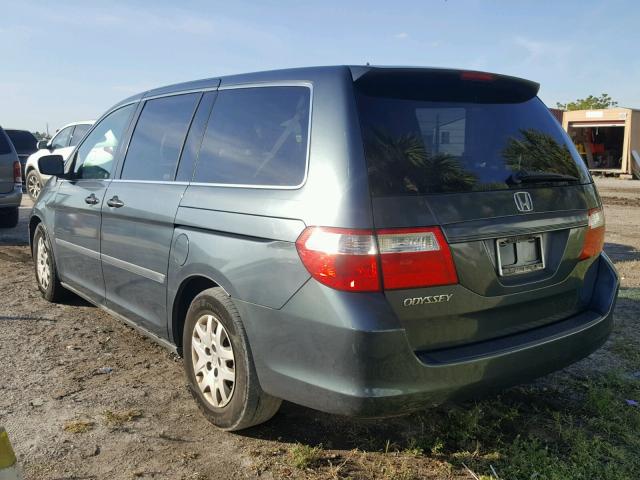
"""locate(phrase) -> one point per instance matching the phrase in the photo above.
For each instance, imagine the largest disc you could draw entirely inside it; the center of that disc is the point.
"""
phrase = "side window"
(94, 158)
(256, 136)
(194, 138)
(158, 137)
(61, 139)
(78, 133)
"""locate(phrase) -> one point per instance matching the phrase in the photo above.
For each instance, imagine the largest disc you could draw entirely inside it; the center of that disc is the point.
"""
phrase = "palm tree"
(401, 164)
(539, 152)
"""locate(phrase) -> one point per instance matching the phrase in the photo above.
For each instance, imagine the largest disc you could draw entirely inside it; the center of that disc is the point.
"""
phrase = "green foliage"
(542, 434)
(304, 456)
(590, 103)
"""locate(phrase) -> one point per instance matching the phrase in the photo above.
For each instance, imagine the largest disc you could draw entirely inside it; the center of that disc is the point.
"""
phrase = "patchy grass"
(628, 350)
(584, 430)
(78, 426)
(119, 418)
(547, 435)
(303, 456)
(629, 293)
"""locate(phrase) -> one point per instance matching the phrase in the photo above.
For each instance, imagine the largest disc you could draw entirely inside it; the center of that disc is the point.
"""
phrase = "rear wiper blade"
(524, 176)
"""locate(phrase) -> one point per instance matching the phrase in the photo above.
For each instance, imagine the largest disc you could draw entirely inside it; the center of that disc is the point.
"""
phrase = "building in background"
(606, 139)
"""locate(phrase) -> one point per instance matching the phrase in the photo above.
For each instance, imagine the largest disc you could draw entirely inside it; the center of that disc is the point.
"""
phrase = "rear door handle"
(115, 202)
(91, 199)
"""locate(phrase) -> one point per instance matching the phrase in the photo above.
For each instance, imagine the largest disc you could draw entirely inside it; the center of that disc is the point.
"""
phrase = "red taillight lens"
(415, 257)
(340, 258)
(17, 174)
(594, 238)
(347, 259)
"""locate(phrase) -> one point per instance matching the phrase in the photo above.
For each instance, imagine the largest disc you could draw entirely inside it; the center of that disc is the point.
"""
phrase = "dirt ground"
(85, 397)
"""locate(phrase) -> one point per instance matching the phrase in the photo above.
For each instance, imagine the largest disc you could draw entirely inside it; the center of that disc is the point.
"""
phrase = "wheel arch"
(188, 289)
(34, 221)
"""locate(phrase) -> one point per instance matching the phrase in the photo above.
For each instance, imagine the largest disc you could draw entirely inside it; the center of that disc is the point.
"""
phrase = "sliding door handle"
(91, 199)
(115, 202)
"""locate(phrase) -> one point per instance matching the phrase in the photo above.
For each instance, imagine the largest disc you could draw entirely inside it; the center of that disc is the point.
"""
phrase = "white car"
(62, 143)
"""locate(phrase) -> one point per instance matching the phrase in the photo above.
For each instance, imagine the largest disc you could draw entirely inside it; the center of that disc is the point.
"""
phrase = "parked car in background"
(25, 144)
(364, 241)
(10, 182)
(62, 143)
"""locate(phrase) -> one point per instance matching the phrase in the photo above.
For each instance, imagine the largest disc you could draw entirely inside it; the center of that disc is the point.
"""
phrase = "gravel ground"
(85, 397)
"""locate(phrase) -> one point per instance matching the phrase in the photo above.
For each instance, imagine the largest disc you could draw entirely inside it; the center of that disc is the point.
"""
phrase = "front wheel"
(219, 365)
(34, 185)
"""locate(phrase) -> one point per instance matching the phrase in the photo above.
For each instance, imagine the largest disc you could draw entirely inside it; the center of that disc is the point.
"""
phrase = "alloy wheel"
(33, 186)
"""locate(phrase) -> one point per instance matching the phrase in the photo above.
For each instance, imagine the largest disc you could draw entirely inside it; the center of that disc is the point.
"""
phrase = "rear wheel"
(9, 217)
(45, 266)
(219, 365)
(34, 185)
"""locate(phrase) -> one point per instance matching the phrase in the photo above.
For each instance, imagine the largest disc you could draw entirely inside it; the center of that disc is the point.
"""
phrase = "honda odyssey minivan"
(360, 240)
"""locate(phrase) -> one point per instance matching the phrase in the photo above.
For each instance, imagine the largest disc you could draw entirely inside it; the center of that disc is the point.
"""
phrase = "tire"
(9, 217)
(214, 356)
(45, 267)
(33, 184)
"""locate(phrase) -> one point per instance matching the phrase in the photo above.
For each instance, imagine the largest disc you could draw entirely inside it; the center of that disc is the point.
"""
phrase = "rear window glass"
(256, 136)
(419, 147)
(22, 140)
(158, 137)
(5, 146)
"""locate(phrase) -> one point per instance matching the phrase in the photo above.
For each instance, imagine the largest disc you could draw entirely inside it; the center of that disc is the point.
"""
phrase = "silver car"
(10, 182)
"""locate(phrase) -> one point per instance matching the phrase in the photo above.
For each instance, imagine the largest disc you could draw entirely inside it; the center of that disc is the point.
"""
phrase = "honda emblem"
(523, 201)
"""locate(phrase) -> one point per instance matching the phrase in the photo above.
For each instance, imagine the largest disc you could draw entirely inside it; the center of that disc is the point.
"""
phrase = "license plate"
(518, 255)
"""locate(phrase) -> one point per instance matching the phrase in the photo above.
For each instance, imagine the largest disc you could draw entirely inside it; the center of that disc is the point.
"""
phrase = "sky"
(65, 61)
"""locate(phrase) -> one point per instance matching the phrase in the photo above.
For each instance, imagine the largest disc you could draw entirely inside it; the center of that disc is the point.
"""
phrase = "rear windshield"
(22, 140)
(416, 147)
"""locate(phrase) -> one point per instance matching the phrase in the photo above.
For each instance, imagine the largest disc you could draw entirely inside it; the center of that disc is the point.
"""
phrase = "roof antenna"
(368, 64)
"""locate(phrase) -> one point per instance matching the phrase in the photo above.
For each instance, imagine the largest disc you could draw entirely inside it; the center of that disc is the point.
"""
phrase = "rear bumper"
(11, 199)
(309, 354)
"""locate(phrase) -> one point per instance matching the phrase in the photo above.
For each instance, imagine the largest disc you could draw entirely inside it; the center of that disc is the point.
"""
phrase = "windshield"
(419, 147)
(23, 141)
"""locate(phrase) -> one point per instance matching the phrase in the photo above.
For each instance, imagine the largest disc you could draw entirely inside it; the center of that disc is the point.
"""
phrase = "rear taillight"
(415, 257)
(594, 238)
(347, 259)
(340, 258)
(17, 174)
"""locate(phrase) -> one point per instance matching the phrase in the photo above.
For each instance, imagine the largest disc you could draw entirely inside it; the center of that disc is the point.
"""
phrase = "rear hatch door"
(481, 157)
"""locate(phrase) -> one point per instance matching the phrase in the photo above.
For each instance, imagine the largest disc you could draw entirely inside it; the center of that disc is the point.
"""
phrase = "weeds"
(78, 426)
(304, 456)
(121, 417)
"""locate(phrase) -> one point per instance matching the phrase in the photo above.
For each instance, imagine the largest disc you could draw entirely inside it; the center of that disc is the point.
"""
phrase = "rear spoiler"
(442, 85)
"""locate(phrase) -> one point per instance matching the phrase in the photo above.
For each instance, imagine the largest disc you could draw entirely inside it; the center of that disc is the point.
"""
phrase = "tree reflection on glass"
(401, 164)
(538, 152)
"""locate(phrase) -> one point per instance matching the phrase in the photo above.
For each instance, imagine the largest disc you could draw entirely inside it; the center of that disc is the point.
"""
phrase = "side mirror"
(42, 144)
(51, 165)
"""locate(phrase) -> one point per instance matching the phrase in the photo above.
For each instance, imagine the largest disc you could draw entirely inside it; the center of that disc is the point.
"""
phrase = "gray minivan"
(10, 182)
(360, 240)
